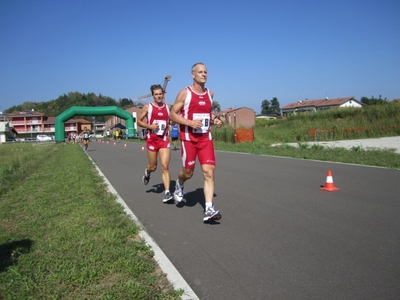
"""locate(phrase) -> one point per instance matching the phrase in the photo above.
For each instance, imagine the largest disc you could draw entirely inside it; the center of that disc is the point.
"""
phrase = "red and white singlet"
(160, 115)
(196, 106)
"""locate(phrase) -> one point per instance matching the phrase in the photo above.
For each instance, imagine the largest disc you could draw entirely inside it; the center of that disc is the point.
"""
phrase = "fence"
(244, 135)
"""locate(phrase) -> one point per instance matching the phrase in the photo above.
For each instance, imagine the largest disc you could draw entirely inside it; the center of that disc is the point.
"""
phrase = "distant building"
(320, 104)
(6, 132)
(112, 121)
(27, 121)
(135, 112)
(238, 117)
(34, 123)
(81, 124)
(265, 116)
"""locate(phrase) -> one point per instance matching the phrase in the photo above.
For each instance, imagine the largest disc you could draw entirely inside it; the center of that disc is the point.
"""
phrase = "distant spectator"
(116, 135)
(174, 134)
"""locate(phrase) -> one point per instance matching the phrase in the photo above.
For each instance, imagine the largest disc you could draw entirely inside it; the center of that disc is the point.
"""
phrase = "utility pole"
(94, 126)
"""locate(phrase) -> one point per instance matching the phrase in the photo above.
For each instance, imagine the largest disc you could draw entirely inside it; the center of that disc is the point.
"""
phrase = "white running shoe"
(211, 214)
(178, 193)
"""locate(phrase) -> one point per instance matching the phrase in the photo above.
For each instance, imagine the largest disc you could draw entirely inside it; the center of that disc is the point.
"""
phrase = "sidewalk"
(385, 143)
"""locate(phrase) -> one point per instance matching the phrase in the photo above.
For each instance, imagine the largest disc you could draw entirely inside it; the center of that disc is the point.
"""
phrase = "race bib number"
(161, 127)
(205, 120)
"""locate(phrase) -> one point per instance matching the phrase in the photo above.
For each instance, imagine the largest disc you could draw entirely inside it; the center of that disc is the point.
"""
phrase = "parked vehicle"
(43, 137)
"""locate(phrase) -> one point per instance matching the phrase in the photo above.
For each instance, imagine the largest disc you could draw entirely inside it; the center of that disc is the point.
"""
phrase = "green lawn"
(62, 234)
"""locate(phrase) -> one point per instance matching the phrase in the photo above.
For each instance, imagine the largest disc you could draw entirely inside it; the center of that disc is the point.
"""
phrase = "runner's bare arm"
(143, 115)
(175, 112)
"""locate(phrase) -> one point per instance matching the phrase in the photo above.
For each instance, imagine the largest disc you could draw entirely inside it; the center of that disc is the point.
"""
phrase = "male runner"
(86, 137)
(157, 139)
(193, 111)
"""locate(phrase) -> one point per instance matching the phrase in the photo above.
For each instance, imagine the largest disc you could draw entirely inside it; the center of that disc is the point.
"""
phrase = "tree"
(271, 107)
(125, 103)
(265, 107)
(215, 106)
(139, 104)
(64, 102)
(275, 107)
(373, 100)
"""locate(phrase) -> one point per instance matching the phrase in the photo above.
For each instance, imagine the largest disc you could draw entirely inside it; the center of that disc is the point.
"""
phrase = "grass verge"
(357, 155)
(62, 234)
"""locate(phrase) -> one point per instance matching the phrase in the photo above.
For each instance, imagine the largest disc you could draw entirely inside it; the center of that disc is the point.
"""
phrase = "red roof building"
(238, 117)
(320, 104)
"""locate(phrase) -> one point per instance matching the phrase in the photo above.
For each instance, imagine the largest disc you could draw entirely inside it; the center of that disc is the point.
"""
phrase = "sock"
(166, 191)
(208, 204)
(180, 185)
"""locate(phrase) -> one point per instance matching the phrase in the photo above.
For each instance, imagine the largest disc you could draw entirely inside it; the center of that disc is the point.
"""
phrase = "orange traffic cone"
(114, 144)
(124, 145)
(329, 186)
(142, 149)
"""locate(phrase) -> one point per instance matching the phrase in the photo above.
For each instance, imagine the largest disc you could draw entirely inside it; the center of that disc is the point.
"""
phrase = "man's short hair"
(196, 64)
(156, 87)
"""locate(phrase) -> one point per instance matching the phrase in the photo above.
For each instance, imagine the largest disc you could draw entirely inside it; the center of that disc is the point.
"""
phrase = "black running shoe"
(146, 178)
(168, 198)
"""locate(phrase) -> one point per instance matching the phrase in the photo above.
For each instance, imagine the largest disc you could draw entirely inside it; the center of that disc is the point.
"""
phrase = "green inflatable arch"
(91, 111)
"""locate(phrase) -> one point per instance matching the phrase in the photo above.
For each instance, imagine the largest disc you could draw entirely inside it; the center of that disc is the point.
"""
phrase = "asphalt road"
(280, 236)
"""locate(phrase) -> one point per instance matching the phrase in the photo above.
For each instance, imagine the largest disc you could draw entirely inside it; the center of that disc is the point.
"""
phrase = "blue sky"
(254, 49)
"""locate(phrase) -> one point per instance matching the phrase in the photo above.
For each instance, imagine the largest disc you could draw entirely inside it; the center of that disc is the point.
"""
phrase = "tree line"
(373, 100)
(66, 101)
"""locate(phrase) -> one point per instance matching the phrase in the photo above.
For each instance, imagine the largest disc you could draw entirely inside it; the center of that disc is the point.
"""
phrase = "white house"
(265, 116)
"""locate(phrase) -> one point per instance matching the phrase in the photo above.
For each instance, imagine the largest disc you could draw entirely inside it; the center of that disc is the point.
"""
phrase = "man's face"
(200, 74)
(158, 95)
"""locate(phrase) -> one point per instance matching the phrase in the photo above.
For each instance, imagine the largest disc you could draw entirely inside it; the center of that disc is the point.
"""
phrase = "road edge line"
(173, 275)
